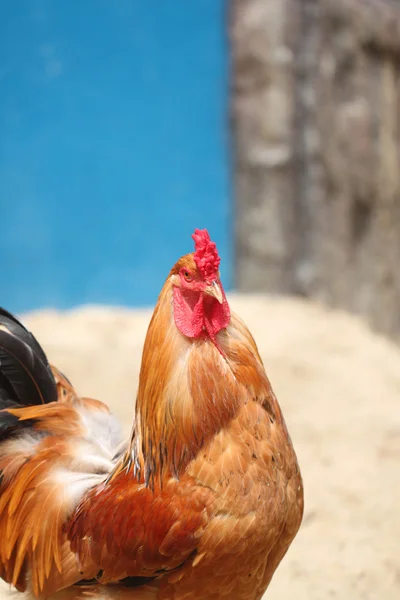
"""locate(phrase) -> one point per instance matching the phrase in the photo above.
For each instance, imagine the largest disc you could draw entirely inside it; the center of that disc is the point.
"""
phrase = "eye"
(187, 275)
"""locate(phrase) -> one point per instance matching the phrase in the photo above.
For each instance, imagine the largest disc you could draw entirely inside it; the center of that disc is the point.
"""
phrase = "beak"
(215, 290)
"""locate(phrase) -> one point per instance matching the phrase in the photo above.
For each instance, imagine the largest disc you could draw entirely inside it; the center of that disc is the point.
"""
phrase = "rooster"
(204, 499)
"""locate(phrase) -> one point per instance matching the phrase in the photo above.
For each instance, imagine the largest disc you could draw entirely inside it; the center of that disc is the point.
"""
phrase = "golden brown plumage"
(206, 498)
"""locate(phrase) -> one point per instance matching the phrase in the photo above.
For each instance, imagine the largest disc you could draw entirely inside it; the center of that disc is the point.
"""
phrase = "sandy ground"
(339, 387)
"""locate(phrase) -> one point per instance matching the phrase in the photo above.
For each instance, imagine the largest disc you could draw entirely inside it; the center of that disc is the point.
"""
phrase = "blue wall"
(113, 146)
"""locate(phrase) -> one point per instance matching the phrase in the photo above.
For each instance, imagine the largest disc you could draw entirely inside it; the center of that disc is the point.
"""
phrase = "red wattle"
(216, 316)
(187, 314)
(196, 313)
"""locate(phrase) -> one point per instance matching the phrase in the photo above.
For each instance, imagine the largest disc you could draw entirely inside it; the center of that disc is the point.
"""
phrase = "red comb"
(206, 254)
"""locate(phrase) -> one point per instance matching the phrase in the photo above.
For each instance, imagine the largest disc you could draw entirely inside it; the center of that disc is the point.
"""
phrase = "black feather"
(9, 424)
(17, 328)
(128, 582)
(26, 375)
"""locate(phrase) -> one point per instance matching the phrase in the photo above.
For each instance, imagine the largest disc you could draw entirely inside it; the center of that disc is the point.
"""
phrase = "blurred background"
(114, 146)
(125, 124)
(316, 132)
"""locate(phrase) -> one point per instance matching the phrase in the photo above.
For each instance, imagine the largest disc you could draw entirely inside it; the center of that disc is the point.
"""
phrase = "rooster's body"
(201, 504)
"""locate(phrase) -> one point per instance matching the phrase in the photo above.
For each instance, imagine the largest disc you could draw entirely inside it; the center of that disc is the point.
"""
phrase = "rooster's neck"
(187, 393)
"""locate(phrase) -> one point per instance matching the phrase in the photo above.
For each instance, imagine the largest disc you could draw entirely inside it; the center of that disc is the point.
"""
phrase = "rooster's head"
(200, 305)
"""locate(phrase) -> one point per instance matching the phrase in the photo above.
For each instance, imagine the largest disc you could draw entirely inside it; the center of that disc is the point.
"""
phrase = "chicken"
(204, 499)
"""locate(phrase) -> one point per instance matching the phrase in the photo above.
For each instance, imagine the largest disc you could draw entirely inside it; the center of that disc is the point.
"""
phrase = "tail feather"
(9, 422)
(17, 328)
(25, 375)
(54, 448)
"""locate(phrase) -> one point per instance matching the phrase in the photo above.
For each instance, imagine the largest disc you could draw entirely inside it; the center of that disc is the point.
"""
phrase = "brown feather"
(146, 531)
(33, 501)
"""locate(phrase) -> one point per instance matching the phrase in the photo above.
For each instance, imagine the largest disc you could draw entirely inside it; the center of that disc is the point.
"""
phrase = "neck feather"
(186, 393)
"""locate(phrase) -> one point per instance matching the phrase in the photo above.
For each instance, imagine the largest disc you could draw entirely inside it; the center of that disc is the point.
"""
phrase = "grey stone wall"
(316, 129)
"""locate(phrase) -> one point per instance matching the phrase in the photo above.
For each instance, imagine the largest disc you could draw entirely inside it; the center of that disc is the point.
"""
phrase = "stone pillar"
(316, 127)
